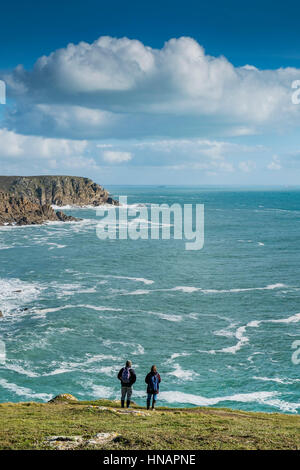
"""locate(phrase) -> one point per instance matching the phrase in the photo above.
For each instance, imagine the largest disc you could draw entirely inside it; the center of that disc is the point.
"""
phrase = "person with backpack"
(127, 377)
(152, 380)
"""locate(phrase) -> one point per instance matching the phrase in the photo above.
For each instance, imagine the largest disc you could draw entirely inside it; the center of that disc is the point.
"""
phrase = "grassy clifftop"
(101, 424)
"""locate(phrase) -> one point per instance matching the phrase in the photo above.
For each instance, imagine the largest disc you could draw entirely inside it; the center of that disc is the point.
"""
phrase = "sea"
(222, 323)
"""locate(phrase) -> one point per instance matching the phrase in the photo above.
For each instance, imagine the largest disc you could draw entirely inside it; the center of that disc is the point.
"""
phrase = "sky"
(167, 92)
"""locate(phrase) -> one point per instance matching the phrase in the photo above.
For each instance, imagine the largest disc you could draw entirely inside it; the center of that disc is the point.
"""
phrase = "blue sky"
(151, 92)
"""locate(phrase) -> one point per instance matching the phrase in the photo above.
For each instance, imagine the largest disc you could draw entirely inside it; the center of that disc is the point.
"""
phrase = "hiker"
(152, 380)
(127, 377)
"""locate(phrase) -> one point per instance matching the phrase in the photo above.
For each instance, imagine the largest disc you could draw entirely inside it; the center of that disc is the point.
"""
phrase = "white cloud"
(247, 166)
(275, 163)
(14, 145)
(111, 156)
(121, 88)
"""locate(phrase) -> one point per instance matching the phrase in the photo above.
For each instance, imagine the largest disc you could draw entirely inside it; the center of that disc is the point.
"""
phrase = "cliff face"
(21, 211)
(58, 190)
(26, 200)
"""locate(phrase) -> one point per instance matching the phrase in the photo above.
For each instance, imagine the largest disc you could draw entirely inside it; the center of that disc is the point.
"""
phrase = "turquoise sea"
(219, 323)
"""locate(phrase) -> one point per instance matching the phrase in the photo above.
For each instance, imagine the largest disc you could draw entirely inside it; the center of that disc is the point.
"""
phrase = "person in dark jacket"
(152, 380)
(127, 378)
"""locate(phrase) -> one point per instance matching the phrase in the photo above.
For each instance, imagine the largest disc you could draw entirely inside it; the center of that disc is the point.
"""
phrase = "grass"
(27, 425)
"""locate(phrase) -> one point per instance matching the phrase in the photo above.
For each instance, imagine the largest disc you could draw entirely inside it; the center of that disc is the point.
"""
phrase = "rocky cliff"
(58, 190)
(27, 200)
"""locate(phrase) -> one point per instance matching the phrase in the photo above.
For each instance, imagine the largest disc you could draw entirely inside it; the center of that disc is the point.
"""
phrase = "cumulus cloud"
(14, 145)
(119, 103)
(121, 88)
(112, 156)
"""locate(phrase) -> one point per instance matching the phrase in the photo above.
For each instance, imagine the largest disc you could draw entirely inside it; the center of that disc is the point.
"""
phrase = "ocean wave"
(167, 316)
(14, 293)
(242, 339)
(263, 398)
(55, 246)
(181, 354)
(9, 365)
(99, 308)
(185, 375)
(193, 289)
(135, 279)
(225, 291)
(24, 391)
(137, 349)
(137, 292)
(278, 380)
(97, 391)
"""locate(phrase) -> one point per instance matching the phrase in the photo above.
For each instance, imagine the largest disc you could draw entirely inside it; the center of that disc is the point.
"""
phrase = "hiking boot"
(128, 403)
(122, 403)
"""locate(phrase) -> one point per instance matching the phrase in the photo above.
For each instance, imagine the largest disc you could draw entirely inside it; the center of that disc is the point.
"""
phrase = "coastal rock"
(22, 211)
(56, 190)
(122, 411)
(63, 398)
(27, 200)
(64, 442)
(72, 442)
(102, 438)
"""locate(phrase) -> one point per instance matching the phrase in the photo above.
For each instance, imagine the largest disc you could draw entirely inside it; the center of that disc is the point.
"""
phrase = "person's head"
(154, 369)
(128, 363)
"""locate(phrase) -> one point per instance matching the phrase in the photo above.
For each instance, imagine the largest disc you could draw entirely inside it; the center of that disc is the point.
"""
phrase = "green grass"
(27, 425)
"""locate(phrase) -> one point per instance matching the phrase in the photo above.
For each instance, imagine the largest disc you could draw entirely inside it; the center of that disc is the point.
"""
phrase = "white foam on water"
(181, 397)
(23, 391)
(66, 367)
(182, 374)
(58, 371)
(262, 398)
(97, 391)
(101, 308)
(182, 354)
(14, 293)
(246, 289)
(284, 381)
(76, 207)
(167, 316)
(19, 369)
(135, 279)
(5, 247)
(292, 319)
(107, 370)
(250, 358)
(242, 340)
(191, 289)
(137, 292)
(240, 332)
(55, 245)
(193, 315)
(137, 348)
(226, 332)
(187, 289)
(99, 358)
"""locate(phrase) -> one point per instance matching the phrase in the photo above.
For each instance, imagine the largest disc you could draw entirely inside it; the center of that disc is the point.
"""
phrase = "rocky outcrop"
(57, 190)
(74, 442)
(63, 398)
(27, 200)
(21, 211)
